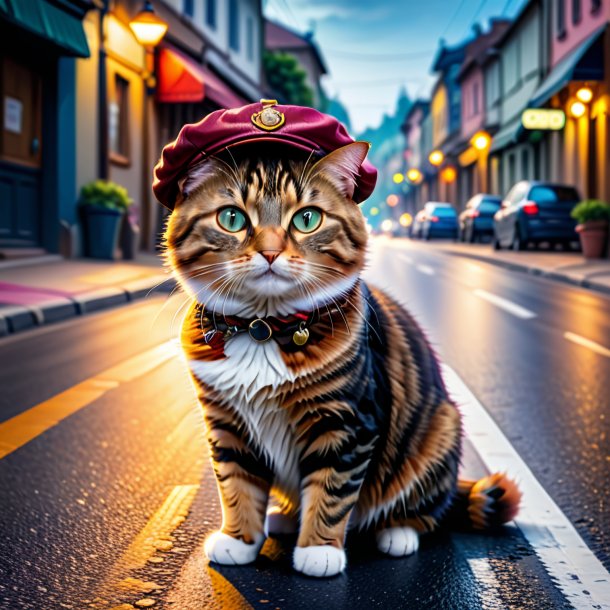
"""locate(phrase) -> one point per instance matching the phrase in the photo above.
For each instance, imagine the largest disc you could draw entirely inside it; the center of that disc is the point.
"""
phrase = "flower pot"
(101, 231)
(593, 237)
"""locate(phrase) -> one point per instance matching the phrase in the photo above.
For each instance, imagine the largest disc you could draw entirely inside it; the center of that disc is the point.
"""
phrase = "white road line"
(425, 269)
(595, 347)
(578, 573)
(505, 304)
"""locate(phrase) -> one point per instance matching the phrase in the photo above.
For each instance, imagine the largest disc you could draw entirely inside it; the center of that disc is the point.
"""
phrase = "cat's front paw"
(319, 561)
(398, 541)
(226, 550)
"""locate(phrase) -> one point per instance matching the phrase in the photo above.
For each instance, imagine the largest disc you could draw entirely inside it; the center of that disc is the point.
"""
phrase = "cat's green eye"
(307, 220)
(232, 219)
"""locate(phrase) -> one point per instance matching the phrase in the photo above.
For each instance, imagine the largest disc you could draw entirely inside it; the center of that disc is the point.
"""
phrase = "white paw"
(319, 560)
(398, 541)
(279, 523)
(226, 550)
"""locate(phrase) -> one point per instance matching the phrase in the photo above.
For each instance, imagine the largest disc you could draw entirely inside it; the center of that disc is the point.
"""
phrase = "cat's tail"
(485, 504)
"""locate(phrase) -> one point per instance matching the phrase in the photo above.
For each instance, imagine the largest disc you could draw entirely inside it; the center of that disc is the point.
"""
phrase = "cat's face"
(271, 236)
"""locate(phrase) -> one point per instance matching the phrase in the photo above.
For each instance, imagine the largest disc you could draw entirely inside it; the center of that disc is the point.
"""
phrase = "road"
(106, 492)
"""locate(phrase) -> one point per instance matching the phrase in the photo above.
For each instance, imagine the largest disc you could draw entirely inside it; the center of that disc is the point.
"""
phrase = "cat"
(342, 416)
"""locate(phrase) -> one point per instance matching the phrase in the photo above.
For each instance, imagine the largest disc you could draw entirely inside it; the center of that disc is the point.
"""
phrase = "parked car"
(477, 219)
(440, 221)
(534, 212)
(418, 223)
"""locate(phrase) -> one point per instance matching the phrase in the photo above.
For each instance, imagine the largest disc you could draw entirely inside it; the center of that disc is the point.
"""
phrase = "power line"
(453, 18)
(478, 12)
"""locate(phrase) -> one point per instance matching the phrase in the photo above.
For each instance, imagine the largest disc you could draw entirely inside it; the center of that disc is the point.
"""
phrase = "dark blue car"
(477, 219)
(534, 212)
(440, 221)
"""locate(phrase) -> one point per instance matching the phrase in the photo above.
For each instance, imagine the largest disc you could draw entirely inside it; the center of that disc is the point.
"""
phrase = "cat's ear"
(342, 166)
(197, 175)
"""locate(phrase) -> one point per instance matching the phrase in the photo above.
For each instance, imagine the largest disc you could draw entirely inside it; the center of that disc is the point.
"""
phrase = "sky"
(374, 47)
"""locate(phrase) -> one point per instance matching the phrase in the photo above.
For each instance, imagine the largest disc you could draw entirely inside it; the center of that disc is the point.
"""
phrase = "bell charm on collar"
(301, 336)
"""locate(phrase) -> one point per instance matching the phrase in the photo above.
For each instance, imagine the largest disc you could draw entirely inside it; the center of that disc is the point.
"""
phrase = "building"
(476, 126)
(39, 44)
(518, 154)
(279, 38)
(579, 85)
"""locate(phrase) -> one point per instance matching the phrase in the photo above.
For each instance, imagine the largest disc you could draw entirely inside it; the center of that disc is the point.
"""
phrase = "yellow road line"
(26, 426)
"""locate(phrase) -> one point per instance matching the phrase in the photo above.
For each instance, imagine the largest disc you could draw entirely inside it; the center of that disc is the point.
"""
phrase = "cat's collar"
(291, 332)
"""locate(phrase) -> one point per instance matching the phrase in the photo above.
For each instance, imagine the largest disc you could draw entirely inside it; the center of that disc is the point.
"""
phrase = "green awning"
(45, 19)
(508, 134)
(585, 63)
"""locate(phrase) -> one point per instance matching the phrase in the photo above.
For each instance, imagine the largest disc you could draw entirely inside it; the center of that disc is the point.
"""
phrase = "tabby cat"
(341, 417)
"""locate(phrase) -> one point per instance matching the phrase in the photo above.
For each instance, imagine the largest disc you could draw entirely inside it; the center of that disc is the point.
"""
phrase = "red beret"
(299, 127)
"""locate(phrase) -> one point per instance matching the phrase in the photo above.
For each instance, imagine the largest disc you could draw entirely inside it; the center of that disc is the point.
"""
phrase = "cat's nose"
(270, 255)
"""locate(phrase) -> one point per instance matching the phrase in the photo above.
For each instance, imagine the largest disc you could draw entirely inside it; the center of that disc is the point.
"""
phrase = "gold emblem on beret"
(269, 118)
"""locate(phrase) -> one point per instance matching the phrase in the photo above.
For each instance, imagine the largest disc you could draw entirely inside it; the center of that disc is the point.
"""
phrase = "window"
(576, 11)
(250, 38)
(595, 5)
(475, 98)
(234, 25)
(118, 121)
(210, 13)
(561, 18)
(188, 8)
(525, 164)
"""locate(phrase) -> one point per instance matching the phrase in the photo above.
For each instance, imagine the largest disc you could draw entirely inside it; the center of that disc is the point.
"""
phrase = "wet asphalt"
(74, 499)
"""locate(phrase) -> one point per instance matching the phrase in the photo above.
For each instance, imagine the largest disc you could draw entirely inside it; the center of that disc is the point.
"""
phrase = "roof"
(419, 104)
(447, 56)
(477, 50)
(280, 38)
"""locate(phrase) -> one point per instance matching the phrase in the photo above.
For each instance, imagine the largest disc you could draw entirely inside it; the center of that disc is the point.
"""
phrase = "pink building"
(473, 162)
(579, 84)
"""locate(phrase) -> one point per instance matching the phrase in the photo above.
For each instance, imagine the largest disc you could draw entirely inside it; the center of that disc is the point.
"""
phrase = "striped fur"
(354, 430)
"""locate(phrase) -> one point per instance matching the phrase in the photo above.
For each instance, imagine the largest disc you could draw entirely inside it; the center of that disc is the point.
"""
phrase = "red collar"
(291, 332)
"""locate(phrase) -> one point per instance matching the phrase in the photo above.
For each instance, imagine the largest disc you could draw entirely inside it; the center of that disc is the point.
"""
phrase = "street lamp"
(577, 109)
(436, 157)
(481, 140)
(398, 178)
(585, 95)
(147, 27)
(449, 174)
(414, 175)
(392, 200)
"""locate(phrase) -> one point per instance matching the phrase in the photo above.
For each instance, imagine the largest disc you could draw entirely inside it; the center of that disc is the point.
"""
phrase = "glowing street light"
(392, 200)
(436, 157)
(387, 225)
(147, 27)
(398, 178)
(577, 109)
(585, 95)
(405, 220)
(414, 175)
(481, 140)
(449, 174)
(374, 211)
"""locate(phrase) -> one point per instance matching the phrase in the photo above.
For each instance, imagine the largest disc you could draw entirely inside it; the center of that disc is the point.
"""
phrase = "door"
(20, 153)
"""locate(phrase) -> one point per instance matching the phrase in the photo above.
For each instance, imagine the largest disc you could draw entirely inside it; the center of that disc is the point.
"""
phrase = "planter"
(593, 237)
(101, 231)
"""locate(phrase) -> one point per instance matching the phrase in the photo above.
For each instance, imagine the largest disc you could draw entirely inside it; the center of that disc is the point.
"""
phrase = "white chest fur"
(249, 378)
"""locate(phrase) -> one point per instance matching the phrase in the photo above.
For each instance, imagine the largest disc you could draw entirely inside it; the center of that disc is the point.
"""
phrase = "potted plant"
(102, 204)
(593, 217)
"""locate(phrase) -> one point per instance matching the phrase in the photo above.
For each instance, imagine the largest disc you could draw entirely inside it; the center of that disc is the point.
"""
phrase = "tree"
(287, 79)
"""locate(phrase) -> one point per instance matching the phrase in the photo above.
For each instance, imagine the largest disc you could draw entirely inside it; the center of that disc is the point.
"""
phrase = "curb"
(538, 271)
(14, 319)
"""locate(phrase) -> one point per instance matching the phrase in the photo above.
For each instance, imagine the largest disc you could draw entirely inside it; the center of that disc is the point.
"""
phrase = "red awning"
(220, 93)
(179, 79)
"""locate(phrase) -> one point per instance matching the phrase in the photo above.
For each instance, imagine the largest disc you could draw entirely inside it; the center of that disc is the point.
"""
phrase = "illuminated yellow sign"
(543, 119)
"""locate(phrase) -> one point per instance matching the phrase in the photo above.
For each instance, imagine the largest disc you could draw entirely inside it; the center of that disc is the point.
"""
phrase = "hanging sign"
(543, 119)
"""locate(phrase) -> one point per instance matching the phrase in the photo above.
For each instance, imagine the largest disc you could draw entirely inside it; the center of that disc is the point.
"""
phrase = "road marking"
(425, 269)
(505, 304)
(595, 347)
(26, 426)
(576, 570)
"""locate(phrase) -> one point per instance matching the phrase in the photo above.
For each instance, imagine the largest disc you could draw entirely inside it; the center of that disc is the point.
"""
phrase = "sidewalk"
(49, 289)
(569, 267)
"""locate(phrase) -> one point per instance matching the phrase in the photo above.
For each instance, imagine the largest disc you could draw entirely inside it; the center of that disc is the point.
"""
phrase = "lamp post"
(148, 29)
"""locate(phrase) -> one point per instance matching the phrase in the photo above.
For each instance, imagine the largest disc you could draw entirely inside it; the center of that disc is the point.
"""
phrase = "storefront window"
(576, 11)
(561, 18)
(234, 25)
